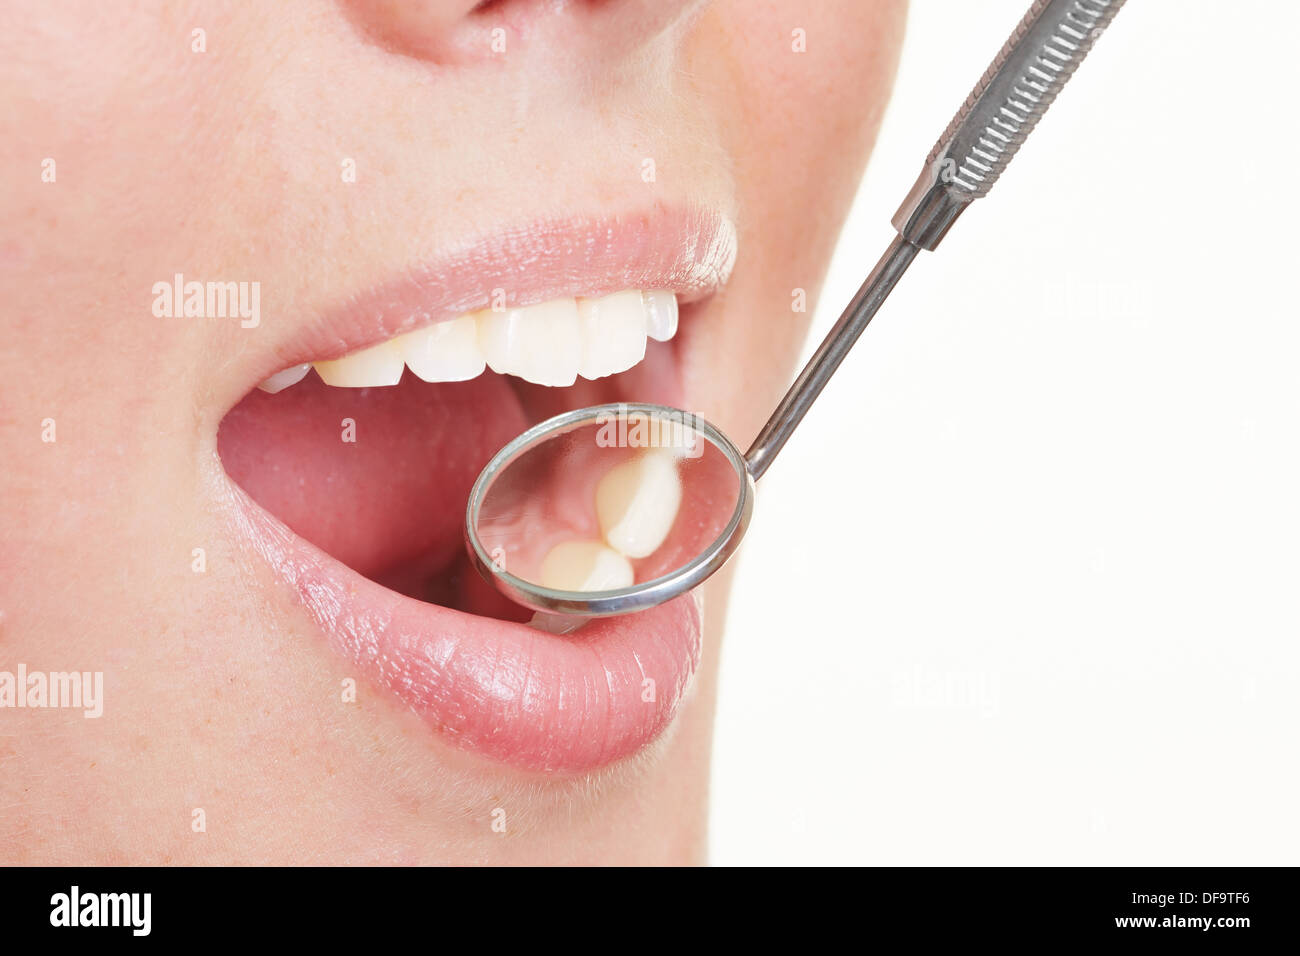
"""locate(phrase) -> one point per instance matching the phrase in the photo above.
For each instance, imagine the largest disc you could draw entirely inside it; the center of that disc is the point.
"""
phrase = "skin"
(227, 163)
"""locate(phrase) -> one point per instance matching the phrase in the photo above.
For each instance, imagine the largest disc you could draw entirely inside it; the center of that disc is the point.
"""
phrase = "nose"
(449, 32)
(418, 28)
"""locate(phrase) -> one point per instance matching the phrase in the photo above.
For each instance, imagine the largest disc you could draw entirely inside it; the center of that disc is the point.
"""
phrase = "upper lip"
(507, 691)
(689, 250)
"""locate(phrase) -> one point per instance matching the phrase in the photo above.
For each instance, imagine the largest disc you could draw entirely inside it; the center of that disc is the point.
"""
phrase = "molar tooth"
(613, 333)
(637, 502)
(380, 364)
(285, 377)
(540, 343)
(445, 352)
(585, 566)
(660, 314)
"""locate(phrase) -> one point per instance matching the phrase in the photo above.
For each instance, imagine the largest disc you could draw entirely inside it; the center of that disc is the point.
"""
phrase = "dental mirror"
(608, 510)
(618, 508)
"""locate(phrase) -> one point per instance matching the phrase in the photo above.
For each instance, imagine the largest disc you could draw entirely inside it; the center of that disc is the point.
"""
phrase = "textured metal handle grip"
(1011, 97)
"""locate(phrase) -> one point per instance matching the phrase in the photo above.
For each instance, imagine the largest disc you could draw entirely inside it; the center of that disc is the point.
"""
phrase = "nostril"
(423, 29)
(457, 32)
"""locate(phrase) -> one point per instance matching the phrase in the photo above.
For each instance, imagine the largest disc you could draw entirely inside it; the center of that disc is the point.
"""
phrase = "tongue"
(376, 477)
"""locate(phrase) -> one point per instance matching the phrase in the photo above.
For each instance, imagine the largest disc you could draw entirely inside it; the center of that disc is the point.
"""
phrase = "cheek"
(101, 196)
(813, 74)
(142, 124)
(799, 90)
(817, 77)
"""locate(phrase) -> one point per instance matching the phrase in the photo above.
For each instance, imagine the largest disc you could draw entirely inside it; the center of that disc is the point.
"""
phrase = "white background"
(1025, 586)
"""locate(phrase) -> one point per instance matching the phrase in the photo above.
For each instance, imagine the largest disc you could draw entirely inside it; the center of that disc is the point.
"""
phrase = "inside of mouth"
(379, 477)
(612, 498)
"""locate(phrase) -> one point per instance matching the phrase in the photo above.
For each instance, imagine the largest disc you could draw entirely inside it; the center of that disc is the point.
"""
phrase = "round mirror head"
(608, 510)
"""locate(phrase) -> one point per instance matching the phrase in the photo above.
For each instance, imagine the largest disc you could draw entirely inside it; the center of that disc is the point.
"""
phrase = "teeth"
(585, 566)
(379, 365)
(549, 344)
(660, 315)
(637, 502)
(613, 334)
(446, 352)
(540, 343)
(283, 379)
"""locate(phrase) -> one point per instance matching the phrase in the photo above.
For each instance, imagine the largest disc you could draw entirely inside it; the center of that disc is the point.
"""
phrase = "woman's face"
(296, 663)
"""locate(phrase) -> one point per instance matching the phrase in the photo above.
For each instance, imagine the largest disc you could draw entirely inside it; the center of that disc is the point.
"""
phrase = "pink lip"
(506, 691)
(687, 250)
(510, 692)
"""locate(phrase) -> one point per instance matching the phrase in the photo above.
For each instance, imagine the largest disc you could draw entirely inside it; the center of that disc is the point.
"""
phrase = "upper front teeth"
(445, 352)
(378, 365)
(542, 343)
(549, 344)
(613, 332)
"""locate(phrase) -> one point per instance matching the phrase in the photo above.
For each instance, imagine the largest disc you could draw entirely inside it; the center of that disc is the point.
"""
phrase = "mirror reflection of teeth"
(585, 566)
(636, 504)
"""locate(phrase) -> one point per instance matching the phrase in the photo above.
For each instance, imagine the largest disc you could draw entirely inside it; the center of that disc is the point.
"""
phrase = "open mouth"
(356, 455)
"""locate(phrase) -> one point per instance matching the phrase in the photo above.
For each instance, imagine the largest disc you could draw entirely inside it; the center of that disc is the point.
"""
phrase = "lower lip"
(508, 692)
